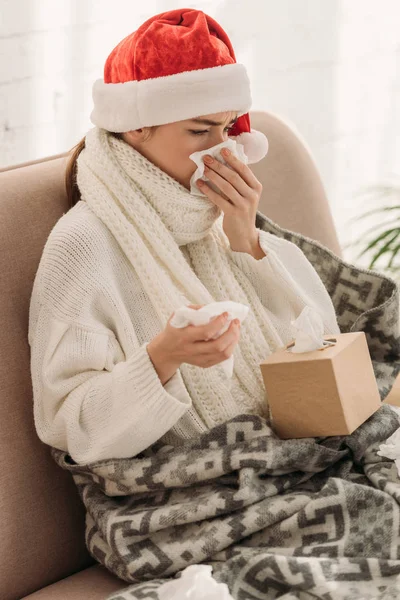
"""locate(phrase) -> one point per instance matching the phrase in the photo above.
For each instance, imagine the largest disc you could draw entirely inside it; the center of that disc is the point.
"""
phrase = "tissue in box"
(329, 391)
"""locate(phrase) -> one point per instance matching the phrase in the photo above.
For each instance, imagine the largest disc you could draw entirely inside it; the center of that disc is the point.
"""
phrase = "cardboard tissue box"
(328, 390)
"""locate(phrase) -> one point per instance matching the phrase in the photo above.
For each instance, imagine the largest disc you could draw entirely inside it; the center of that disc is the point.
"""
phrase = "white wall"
(331, 69)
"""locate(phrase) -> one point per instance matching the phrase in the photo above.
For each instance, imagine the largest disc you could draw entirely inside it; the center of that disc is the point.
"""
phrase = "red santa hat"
(178, 65)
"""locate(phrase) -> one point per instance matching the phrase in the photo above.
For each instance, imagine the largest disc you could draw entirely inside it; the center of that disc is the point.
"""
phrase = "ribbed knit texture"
(113, 270)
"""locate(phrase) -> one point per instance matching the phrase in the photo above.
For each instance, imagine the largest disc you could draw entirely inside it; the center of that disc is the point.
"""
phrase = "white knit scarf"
(151, 215)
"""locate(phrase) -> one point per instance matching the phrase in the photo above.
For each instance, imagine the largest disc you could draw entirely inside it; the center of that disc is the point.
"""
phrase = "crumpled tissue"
(310, 331)
(185, 316)
(391, 449)
(197, 157)
(195, 583)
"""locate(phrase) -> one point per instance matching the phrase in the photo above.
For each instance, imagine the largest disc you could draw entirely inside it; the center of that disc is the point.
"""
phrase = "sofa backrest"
(41, 514)
(293, 193)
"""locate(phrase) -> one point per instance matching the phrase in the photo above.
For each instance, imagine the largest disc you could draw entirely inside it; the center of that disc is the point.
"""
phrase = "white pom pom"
(255, 144)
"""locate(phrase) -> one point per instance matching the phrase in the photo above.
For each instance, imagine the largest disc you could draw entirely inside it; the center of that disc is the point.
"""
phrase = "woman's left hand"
(239, 199)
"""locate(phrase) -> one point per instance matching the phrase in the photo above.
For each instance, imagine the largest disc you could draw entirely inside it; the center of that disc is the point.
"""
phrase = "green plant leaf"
(374, 211)
(375, 241)
(385, 248)
(395, 251)
(370, 230)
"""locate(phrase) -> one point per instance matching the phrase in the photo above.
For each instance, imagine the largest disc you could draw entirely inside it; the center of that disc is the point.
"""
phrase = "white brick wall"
(331, 69)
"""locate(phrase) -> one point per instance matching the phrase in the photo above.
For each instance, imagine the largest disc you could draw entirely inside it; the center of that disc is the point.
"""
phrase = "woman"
(110, 374)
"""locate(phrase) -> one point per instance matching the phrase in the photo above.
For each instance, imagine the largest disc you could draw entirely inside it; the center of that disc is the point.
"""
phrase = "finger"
(199, 333)
(225, 341)
(218, 345)
(230, 349)
(215, 327)
(215, 357)
(229, 188)
(244, 170)
(217, 199)
(229, 174)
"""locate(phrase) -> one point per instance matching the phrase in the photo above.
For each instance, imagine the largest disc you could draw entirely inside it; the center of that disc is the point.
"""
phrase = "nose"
(219, 136)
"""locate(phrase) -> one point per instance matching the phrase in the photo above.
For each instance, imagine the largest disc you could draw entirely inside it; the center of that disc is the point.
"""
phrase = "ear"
(135, 135)
(134, 138)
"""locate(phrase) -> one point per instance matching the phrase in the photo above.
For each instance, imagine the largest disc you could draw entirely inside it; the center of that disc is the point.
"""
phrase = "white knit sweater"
(89, 398)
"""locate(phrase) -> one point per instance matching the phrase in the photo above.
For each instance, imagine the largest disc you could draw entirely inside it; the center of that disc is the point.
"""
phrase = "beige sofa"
(42, 550)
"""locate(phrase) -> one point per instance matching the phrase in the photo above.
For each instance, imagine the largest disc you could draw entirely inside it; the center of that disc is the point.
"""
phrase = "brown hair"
(71, 185)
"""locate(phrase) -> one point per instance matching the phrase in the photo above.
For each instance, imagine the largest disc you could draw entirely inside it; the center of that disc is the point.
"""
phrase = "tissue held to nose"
(215, 151)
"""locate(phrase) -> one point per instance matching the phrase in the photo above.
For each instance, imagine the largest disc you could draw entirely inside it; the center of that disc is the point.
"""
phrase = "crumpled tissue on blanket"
(391, 448)
(195, 583)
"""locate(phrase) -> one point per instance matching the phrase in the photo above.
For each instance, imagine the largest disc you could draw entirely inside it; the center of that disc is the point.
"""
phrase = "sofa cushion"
(94, 583)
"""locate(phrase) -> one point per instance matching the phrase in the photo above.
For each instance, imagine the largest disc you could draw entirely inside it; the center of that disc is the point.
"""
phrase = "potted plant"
(383, 238)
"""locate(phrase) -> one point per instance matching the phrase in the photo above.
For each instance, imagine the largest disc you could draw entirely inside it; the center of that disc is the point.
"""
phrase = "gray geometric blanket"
(309, 518)
(298, 518)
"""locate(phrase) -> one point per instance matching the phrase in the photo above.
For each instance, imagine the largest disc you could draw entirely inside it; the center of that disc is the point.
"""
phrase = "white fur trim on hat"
(120, 107)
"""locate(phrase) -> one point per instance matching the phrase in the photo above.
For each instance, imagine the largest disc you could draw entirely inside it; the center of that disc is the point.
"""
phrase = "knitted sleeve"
(93, 402)
(285, 274)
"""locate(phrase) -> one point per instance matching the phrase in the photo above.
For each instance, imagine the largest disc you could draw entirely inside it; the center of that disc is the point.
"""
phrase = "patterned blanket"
(299, 518)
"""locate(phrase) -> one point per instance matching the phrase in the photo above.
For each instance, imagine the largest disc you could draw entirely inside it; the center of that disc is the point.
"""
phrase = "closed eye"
(203, 131)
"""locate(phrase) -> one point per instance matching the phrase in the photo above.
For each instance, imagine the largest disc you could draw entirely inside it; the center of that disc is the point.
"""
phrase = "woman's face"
(169, 146)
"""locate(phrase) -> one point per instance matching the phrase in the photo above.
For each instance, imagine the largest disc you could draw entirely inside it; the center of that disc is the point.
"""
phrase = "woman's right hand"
(193, 344)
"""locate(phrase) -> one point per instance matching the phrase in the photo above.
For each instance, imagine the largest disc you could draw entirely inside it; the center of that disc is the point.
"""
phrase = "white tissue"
(184, 316)
(310, 331)
(391, 449)
(236, 149)
(195, 583)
